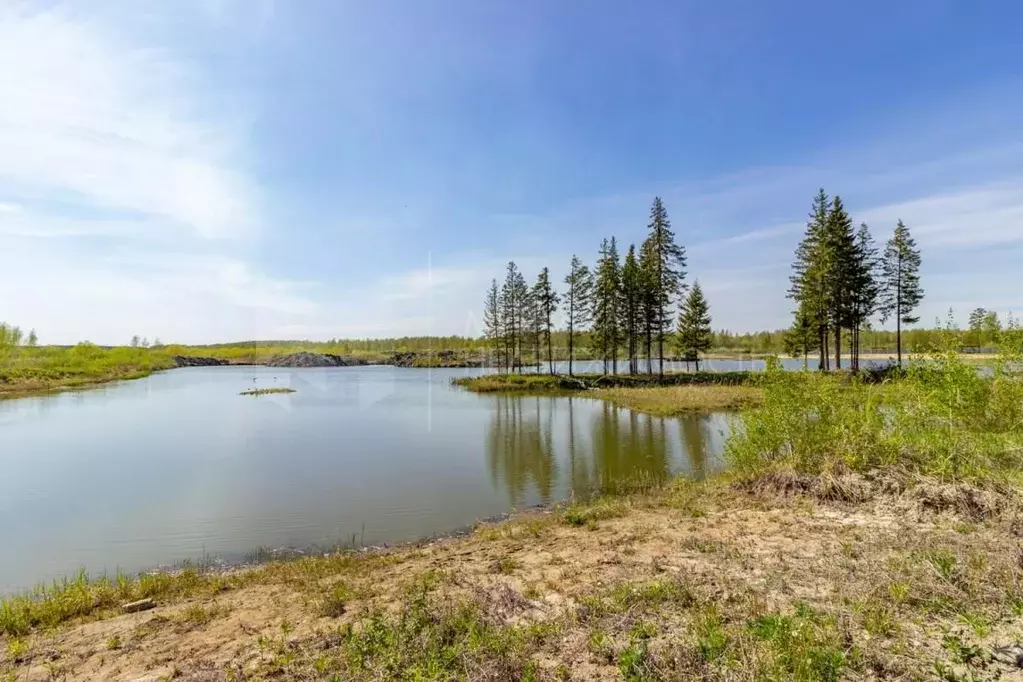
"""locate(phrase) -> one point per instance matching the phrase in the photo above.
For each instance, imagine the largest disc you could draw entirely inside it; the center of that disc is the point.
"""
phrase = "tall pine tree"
(866, 288)
(606, 305)
(546, 301)
(492, 319)
(900, 278)
(513, 300)
(664, 261)
(841, 280)
(578, 298)
(632, 306)
(811, 274)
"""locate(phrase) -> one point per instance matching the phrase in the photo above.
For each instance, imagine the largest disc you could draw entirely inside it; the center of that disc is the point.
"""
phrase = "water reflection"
(539, 449)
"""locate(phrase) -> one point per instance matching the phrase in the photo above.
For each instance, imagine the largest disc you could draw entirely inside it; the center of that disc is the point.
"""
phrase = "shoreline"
(594, 589)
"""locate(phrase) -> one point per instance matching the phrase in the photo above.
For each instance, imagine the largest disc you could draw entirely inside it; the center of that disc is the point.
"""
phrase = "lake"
(150, 472)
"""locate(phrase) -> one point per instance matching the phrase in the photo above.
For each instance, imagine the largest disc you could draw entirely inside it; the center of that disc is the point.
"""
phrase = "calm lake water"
(150, 472)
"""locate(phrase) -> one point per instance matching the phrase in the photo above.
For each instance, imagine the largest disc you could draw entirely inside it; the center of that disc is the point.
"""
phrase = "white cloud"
(93, 122)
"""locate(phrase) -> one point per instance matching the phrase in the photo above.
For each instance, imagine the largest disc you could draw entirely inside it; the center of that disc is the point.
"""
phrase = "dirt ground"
(700, 582)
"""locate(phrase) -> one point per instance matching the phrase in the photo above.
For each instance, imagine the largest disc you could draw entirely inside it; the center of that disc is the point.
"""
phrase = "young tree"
(665, 263)
(546, 301)
(901, 282)
(492, 319)
(606, 304)
(578, 312)
(799, 339)
(990, 328)
(866, 288)
(812, 268)
(32, 340)
(694, 334)
(632, 306)
(135, 341)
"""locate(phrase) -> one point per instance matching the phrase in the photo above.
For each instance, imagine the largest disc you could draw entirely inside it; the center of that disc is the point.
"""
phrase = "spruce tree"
(632, 306)
(866, 287)
(513, 313)
(901, 282)
(578, 296)
(665, 263)
(492, 319)
(606, 305)
(546, 301)
(694, 333)
(812, 268)
(841, 281)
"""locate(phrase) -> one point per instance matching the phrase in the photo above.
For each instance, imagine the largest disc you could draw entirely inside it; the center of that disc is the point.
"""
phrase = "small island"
(267, 391)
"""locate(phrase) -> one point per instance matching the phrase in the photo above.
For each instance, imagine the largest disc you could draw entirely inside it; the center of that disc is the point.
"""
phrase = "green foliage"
(578, 304)
(607, 333)
(694, 335)
(944, 419)
(663, 262)
(803, 646)
(901, 292)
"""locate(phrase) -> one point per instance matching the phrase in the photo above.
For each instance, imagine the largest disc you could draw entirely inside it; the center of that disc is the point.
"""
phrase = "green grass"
(545, 383)
(942, 419)
(671, 401)
(33, 370)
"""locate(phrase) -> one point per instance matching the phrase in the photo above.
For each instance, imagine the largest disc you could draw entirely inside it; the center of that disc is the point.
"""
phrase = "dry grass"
(267, 391)
(696, 581)
(675, 400)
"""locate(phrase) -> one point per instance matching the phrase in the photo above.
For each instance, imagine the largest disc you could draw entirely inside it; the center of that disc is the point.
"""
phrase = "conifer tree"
(632, 306)
(546, 301)
(578, 297)
(694, 333)
(800, 338)
(513, 313)
(665, 263)
(811, 274)
(606, 305)
(492, 320)
(901, 282)
(841, 281)
(866, 287)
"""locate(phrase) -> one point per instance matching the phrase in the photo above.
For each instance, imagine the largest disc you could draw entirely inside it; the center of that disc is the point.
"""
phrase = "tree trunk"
(838, 346)
(821, 348)
(571, 345)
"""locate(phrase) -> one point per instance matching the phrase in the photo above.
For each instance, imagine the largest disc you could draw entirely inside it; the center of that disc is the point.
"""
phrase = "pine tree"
(812, 270)
(532, 325)
(513, 314)
(546, 301)
(32, 340)
(901, 282)
(841, 281)
(865, 287)
(492, 319)
(578, 297)
(607, 304)
(632, 306)
(694, 333)
(665, 263)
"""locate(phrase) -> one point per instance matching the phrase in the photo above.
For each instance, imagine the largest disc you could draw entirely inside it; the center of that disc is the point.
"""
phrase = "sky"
(214, 170)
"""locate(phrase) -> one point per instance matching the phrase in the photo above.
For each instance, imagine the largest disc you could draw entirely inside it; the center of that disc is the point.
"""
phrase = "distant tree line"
(624, 310)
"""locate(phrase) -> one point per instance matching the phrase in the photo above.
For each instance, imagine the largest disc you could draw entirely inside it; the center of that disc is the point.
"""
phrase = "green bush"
(942, 418)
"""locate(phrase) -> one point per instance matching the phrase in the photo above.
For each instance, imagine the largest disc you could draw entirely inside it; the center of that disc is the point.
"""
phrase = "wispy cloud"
(92, 121)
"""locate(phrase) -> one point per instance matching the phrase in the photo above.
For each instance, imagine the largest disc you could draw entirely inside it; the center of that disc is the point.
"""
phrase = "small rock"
(1009, 655)
(140, 605)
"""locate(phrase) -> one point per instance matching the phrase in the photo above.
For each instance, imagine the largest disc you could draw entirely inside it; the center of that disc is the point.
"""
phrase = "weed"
(336, 602)
(114, 643)
(588, 514)
(505, 565)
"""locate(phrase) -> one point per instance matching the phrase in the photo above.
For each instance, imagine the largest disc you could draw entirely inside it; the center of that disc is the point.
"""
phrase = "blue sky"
(212, 170)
